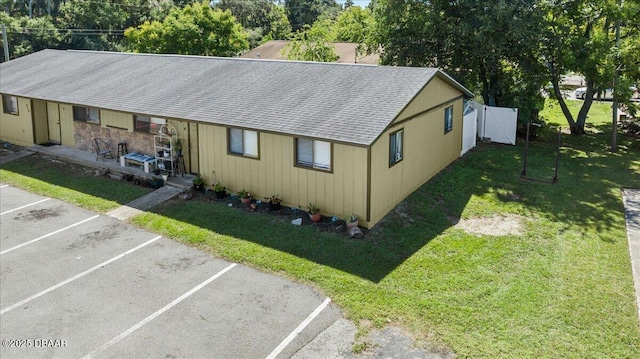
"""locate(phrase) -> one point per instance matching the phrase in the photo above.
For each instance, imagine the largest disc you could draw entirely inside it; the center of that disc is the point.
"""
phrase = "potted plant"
(314, 213)
(165, 176)
(178, 147)
(351, 220)
(245, 196)
(220, 190)
(198, 183)
(275, 203)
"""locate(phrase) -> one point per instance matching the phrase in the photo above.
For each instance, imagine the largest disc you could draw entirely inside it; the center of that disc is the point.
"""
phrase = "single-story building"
(347, 52)
(348, 138)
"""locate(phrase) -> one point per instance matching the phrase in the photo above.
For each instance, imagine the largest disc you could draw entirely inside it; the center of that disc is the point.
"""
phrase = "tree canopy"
(195, 29)
(507, 50)
(306, 12)
(261, 18)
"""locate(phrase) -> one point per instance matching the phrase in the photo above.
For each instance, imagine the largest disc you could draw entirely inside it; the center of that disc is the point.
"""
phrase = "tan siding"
(17, 129)
(338, 193)
(120, 120)
(427, 150)
(436, 92)
(40, 125)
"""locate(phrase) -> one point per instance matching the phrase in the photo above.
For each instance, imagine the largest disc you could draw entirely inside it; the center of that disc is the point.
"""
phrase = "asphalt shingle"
(338, 102)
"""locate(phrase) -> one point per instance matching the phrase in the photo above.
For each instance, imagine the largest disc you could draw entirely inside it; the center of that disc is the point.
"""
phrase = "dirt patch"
(502, 225)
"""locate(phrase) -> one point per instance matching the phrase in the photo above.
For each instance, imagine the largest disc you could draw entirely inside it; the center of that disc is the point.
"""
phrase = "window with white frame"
(243, 142)
(10, 104)
(448, 119)
(148, 124)
(395, 147)
(313, 154)
(86, 114)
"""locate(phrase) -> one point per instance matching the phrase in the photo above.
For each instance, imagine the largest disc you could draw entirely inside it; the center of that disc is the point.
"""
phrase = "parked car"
(607, 94)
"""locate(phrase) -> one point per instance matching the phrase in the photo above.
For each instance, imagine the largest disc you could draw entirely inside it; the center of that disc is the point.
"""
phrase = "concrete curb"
(631, 199)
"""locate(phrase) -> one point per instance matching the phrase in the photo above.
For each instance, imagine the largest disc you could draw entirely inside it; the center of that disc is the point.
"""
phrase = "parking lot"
(75, 284)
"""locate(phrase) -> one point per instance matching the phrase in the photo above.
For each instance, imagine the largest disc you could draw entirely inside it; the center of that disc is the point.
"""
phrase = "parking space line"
(78, 276)
(25, 206)
(298, 329)
(48, 235)
(157, 313)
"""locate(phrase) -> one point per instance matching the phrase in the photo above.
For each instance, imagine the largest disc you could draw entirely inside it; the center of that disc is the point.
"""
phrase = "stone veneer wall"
(136, 141)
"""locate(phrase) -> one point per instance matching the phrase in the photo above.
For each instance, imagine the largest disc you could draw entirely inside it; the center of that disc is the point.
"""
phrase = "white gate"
(498, 124)
(469, 124)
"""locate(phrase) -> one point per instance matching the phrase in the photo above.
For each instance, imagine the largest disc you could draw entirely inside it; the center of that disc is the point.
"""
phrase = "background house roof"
(345, 50)
(338, 102)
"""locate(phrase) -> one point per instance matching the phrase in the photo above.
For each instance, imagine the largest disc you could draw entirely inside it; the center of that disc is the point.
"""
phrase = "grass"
(562, 289)
(70, 183)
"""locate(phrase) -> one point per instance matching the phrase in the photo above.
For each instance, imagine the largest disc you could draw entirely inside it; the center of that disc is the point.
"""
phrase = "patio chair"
(102, 148)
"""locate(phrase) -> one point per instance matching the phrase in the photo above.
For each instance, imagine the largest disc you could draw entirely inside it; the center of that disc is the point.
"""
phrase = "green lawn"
(562, 289)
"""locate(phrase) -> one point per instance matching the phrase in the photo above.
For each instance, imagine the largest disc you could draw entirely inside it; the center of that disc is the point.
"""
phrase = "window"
(86, 114)
(395, 147)
(243, 142)
(148, 124)
(313, 154)
(448, 119)
(10, 104)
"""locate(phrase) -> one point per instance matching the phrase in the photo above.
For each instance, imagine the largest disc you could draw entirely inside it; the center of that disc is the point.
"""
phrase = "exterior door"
(53, 120)
(193, 148)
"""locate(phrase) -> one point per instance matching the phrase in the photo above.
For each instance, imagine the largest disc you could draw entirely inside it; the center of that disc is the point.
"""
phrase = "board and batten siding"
(116, 119)
(17, 129)
(340, 192)
(426, 150)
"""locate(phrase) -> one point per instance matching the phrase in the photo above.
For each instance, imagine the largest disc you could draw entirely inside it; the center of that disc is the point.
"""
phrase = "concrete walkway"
(631, 198)
(145, 202)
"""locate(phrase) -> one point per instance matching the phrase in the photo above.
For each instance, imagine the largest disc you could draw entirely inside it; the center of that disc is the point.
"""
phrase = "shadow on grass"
(587, 194)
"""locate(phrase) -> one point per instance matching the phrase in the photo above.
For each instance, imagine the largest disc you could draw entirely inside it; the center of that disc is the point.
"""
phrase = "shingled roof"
(338, 102)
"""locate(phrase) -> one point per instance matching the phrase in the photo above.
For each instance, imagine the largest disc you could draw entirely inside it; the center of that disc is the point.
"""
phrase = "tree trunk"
(555, 81)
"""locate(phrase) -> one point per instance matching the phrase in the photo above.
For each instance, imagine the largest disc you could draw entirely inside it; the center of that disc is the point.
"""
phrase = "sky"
(361, 3)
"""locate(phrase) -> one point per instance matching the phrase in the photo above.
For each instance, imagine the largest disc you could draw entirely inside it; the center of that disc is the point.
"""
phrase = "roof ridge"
(238, 59)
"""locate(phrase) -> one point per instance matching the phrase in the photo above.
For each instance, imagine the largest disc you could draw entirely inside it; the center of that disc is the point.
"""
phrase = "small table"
(137, 159)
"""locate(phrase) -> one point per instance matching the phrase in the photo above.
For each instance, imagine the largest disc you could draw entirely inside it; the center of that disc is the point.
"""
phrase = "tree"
(195, 29)
(306, 12)
(92, 25)
(312, 44)
(580, 37)
(354, 25)
(260, 18)
(490, 46)
(25, 35)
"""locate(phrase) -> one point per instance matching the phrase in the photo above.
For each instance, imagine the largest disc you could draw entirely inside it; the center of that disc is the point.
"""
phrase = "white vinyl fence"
(497, 124)
(469, 128)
